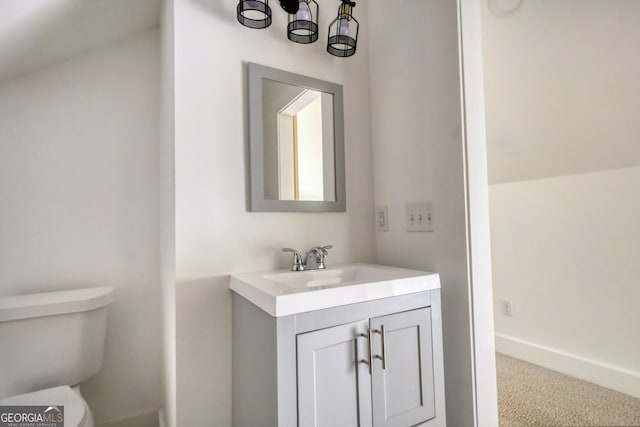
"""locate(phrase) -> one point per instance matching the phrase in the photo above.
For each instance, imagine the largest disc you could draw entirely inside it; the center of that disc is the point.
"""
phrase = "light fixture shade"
(343, 32)
(303, 25)
(290, 6)
(254, 13)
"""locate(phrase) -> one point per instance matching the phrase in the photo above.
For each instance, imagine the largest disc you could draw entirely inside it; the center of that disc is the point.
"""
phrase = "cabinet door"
(334, 386)
(403, 391)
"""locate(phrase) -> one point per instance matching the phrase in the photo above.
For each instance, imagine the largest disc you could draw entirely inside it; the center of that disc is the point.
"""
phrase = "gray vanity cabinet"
(333, 388)
(403, 388)
(313, 369)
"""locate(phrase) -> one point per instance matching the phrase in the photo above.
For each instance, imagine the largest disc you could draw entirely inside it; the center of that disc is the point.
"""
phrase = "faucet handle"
(297, 264)
(322, 249)
(315, 257)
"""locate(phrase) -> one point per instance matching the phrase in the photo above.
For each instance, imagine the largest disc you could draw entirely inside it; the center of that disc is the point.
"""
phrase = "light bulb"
(343, 27)
(304, 13)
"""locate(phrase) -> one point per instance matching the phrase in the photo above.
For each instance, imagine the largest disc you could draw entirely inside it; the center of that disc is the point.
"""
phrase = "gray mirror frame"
(258, 202)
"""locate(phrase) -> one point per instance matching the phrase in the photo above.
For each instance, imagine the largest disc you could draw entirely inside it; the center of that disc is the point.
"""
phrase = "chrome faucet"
(297, 259)
(313, 259)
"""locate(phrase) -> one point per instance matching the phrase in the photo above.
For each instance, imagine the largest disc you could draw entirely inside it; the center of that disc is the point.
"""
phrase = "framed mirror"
(296, 143)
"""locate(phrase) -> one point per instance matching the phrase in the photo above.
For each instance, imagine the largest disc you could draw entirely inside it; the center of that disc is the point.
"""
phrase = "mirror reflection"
(299, 149)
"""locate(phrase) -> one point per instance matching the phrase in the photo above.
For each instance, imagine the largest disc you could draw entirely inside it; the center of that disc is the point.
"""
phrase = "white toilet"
(49, 343)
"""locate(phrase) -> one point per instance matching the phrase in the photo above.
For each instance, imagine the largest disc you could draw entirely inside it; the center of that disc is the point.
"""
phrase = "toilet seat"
(75, 409)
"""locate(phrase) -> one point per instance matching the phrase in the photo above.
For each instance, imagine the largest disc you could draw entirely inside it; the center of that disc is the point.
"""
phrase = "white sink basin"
(282, 293)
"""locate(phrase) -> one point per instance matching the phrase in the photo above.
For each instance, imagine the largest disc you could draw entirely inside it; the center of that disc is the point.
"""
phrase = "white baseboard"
(617, 379)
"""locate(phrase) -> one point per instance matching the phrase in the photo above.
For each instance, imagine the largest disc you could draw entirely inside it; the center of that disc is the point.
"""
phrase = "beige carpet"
(529, 395)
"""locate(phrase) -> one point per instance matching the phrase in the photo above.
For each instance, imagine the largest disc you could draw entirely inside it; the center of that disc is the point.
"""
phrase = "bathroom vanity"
(357, 345)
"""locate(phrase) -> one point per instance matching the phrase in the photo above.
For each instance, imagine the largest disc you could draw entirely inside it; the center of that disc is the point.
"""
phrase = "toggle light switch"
(382, 218)
(419, 216)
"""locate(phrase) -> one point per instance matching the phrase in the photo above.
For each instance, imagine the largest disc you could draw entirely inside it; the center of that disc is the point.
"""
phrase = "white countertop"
(285, 292)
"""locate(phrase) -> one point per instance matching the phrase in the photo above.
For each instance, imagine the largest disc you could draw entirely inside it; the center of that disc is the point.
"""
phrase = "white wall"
(419, 156)
(564, 155)
(310, 147)
(406, 122)
(215, 235)
(566, 253)
(79, 191)
(276, 96)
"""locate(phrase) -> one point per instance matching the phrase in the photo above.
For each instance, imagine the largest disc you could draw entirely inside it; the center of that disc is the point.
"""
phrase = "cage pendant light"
(303, 25)
(254, 13)
(343, 31)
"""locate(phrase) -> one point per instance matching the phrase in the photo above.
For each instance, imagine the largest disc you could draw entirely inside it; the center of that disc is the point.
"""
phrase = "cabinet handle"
(384, 348)
(370, 351)
(367, 362)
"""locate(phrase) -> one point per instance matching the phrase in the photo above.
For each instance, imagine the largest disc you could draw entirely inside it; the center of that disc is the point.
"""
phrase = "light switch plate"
(506, 307)
(382, 218)
(419, 216)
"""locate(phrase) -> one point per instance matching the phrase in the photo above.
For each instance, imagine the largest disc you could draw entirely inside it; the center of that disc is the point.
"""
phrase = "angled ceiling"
(562, 90)
(35, 33)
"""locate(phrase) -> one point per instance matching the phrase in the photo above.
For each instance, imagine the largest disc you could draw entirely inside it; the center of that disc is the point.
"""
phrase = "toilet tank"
(51, 339)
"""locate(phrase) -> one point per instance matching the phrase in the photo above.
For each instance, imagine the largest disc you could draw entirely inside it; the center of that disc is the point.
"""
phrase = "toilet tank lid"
(51, 303)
